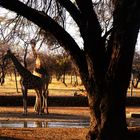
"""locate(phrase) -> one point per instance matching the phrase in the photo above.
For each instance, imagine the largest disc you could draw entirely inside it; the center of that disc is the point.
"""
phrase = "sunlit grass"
(56, 88)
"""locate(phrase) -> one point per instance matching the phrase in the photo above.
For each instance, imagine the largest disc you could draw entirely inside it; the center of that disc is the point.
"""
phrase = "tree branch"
(71, 8)
(48, 24)
(89, 16)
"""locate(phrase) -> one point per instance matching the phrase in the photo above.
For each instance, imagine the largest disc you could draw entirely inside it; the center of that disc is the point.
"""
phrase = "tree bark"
(107, 113)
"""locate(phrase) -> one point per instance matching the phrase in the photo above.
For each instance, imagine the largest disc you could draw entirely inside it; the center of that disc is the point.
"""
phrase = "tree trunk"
(107, 113)
(107, 94)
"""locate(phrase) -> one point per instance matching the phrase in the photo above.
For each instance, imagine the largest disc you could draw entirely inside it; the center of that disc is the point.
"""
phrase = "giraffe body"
(28, 81)
(41, 72)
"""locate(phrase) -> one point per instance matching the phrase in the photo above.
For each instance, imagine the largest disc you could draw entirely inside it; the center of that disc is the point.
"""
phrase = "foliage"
(18, 30)
(136, 61)
(55, 64)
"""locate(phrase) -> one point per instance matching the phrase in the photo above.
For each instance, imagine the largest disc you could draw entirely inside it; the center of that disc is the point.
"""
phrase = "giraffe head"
(4, 65)
(7, 55)
(33, 43)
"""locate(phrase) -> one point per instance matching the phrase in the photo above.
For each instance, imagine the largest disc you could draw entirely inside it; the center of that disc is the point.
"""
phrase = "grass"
(56, 88)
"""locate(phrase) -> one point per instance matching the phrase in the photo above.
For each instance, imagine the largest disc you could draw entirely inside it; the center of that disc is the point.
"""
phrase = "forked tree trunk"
(107, 97)
(107, 92)
(107, 113)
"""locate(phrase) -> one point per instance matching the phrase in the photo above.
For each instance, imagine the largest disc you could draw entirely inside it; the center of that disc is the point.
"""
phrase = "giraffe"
(41, 72)
(28, 81)
(2, 74)
(135, 78)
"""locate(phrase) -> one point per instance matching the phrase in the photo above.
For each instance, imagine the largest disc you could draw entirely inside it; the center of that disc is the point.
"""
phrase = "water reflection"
(56, 124)
(40, 124)
(133, 122)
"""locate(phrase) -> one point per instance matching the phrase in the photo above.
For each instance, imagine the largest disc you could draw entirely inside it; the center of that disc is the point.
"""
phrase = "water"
(81, 123)
(43, 124)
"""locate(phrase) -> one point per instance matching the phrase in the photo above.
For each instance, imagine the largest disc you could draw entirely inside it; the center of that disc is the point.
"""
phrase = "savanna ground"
(56, 114)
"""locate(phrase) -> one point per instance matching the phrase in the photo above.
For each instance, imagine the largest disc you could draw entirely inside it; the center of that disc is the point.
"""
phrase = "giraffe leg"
(45, 101)
(36, 106)
(40, 100)
(24, 92)
(38, 103)
(42, 103)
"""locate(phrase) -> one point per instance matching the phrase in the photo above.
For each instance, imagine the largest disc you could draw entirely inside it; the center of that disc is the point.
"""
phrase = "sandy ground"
(43, 134)
(58, 114)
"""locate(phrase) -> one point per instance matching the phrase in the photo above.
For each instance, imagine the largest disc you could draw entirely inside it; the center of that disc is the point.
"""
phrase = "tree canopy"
(109, 30)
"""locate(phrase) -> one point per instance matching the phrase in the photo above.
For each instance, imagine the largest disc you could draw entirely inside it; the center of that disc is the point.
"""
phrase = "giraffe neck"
(34, 52)
(21, 70)
(37, 58)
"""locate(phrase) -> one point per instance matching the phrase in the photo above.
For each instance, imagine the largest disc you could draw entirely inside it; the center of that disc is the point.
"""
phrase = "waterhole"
(43, 124)
(132, 120)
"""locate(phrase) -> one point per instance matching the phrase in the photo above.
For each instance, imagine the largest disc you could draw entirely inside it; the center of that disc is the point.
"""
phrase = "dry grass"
(56, 88)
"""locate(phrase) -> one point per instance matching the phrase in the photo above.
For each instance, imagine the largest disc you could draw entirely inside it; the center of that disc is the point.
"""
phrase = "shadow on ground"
(8, 138)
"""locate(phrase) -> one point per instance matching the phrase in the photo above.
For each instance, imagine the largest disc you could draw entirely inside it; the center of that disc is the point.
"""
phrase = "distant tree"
(63, 67)
(105, 60)
(74, 75)
(135, 78)
(136, 61)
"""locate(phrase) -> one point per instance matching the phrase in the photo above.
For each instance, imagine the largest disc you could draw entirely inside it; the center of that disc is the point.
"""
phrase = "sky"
(70, 28)
(138, 43)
